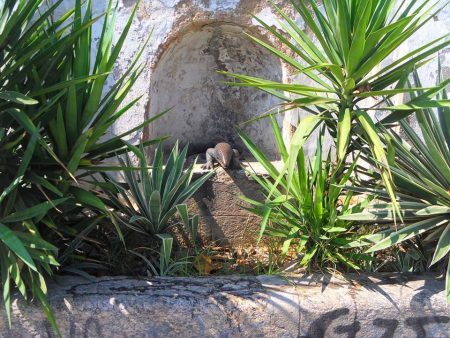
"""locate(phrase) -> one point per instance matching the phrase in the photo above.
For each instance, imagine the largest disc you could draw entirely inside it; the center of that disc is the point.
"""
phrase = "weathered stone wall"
(309, 307)
(191, 40)
(205, 109)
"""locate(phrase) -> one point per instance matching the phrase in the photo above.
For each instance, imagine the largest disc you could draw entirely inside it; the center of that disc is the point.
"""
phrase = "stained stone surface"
(206, 110)
(310, 306)
(223, 220)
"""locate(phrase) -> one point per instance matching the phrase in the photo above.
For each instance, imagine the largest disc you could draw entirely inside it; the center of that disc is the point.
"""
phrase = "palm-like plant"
(350, 40)
(85, 108)
(308, 214)
(52, 117)
(23, 40)
(25, 257)
(150, 196)
(76, 107)
(420, 164)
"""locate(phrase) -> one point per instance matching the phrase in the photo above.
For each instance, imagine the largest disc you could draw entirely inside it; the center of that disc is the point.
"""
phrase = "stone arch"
(205, 110)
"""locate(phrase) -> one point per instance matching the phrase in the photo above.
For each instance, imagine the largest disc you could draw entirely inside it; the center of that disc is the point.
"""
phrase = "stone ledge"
(264, 306)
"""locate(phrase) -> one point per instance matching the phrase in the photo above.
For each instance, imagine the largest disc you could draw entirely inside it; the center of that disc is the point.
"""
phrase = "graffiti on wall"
(387, 326)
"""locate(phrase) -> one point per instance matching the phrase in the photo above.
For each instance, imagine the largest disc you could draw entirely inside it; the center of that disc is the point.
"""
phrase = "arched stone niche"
(205, 110)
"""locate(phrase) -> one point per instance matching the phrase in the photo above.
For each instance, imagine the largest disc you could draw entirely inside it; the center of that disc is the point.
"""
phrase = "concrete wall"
(309, 307)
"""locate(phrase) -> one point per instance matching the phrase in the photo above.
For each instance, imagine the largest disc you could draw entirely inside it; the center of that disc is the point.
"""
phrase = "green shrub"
(154, 194)
(85, 108)
(306, 213)
(350, 39)
(420, 165)
(26, 259)
(54, 112)
(344, 61)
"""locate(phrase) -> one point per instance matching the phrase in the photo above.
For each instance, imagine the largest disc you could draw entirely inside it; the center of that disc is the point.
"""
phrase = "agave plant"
(153, 196)
(350, 39)
(307, 217)
(420, 164)
(150, 196)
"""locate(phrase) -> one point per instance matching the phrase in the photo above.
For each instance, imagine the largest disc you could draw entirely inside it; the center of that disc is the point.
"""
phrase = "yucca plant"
(306, 217)
(24, 39)
(27, 40)
(167, 266)
(420, 164)
(48, 90)
(78, 108)
(409, 257)
(350, 39)
(191, 224)
(83, 111)
(26, 259)
(49, 61)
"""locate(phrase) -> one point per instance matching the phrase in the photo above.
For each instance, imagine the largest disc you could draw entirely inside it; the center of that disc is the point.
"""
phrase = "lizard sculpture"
(224, 154)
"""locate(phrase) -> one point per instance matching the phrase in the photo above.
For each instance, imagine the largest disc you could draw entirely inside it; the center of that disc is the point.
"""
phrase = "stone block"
(223, 219)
